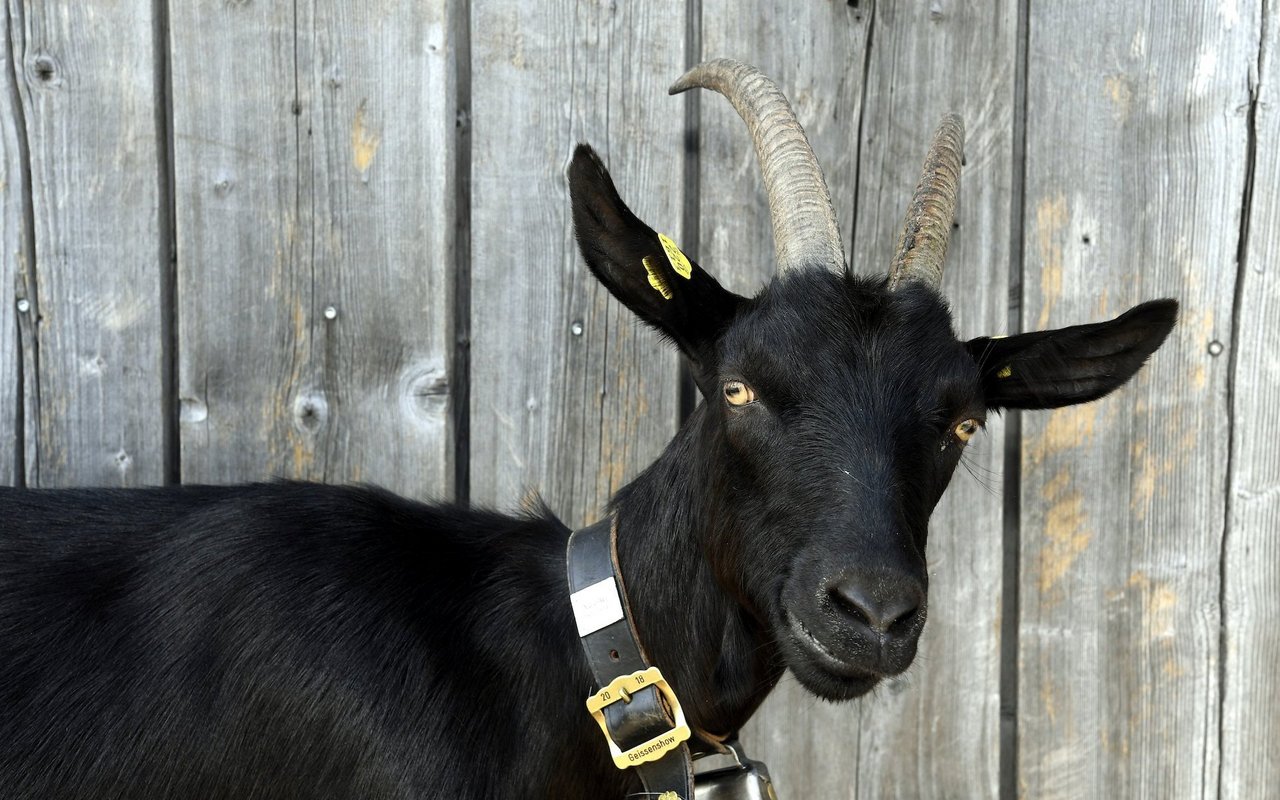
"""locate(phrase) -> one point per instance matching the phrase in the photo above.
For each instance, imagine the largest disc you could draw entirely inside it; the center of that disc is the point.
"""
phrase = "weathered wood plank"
(86, 79)
(810, 746)
(14, 254)
(571, 396)
(935, 732)
(1136, 140)
(314, 159)
(1251, 577)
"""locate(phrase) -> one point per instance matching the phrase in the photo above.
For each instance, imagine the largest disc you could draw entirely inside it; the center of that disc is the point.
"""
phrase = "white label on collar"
(596, 606)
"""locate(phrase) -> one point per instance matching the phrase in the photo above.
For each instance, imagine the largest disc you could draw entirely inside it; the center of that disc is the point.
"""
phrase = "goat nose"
(878, 610)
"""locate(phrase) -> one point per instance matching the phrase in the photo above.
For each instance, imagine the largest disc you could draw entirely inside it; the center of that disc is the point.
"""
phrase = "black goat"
(294, 640)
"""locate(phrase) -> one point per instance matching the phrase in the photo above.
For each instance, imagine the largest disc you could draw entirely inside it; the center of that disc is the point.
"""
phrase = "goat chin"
(824, 682)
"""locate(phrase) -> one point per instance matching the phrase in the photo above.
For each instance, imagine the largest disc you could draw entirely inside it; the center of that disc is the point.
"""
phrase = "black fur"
(303, 641)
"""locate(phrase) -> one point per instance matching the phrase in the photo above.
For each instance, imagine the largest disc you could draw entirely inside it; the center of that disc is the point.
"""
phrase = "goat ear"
(1072, 365)
(647, 272)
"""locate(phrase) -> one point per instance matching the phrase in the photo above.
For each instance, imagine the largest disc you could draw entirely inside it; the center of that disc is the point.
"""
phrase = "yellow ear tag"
(656, 281)
(678, 261)
(1005, 371)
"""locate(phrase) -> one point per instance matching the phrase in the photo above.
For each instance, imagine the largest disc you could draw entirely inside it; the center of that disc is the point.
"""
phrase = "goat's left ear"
(647, 272)
(1072, 365)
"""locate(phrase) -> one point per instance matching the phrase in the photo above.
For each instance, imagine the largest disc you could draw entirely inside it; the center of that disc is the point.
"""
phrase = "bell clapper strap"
(636, 708)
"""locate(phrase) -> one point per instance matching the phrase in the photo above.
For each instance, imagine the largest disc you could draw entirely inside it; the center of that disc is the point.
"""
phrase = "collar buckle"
(621, 689)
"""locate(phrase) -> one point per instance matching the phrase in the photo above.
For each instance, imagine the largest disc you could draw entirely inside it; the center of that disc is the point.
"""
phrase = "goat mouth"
(824, 672)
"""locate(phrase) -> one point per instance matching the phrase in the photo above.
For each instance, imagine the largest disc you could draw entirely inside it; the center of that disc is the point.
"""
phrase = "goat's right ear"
(1050, 369)
(647, 272)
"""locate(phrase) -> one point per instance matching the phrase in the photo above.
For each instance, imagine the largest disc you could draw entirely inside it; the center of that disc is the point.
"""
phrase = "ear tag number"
(678, 260)
(655, 280)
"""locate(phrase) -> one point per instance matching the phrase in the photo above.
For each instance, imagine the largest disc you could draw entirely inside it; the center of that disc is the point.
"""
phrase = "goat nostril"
(879, 615)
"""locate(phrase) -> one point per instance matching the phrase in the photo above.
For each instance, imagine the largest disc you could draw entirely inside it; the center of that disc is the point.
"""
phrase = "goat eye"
(965, 430)
(737, 393)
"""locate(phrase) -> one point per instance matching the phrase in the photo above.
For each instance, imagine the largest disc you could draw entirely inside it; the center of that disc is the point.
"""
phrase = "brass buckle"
(621, 689)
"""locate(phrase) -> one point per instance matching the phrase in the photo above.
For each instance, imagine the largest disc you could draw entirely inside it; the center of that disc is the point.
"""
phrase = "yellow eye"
(965, 430)
(737, 393)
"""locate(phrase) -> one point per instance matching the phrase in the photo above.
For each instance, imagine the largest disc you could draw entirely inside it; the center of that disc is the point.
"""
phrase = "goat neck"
(718, 657)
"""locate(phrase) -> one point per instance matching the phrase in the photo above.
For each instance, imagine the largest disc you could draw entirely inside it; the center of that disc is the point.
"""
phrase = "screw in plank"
(24, 305)
(330, 312)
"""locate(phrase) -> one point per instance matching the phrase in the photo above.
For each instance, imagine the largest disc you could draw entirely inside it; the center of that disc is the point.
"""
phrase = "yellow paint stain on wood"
(1150, 471)
(1187, 443)
(1046, 700)
(1120, 92)
(1066, 538)
(299, 320)
(1144, 488)
(1051, 220)
(1109, 747)
(617, 470)
(1199, 377)
(1158, 604)
(1067, 427)
(364, 142)
(302, 456)
(301, 452)
(1057, 485)
(1066, 530)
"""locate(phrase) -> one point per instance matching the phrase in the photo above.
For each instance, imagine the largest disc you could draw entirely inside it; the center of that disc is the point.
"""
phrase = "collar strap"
(636, 708)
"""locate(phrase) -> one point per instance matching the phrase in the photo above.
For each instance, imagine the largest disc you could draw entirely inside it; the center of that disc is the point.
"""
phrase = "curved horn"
(804, 222)
(922, 244)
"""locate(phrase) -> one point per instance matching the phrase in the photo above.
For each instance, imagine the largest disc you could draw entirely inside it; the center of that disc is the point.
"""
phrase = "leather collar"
(636, 709)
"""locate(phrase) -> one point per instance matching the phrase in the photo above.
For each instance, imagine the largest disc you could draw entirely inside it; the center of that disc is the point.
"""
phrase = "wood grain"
(573, 416)
(1251, 573)
(315, 210)
(92, 338)
(1136, 152)
(15, 253)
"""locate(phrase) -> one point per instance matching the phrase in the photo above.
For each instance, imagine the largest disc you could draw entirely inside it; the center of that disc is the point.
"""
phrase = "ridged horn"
(804, 222)
(922, 244)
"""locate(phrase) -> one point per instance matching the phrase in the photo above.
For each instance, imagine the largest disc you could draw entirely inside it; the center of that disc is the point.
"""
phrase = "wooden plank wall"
(314, 299)
(15, 255)
(92, 343)
(571, 397)
(244, 240)
(1250, 757)
(1137, 150)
